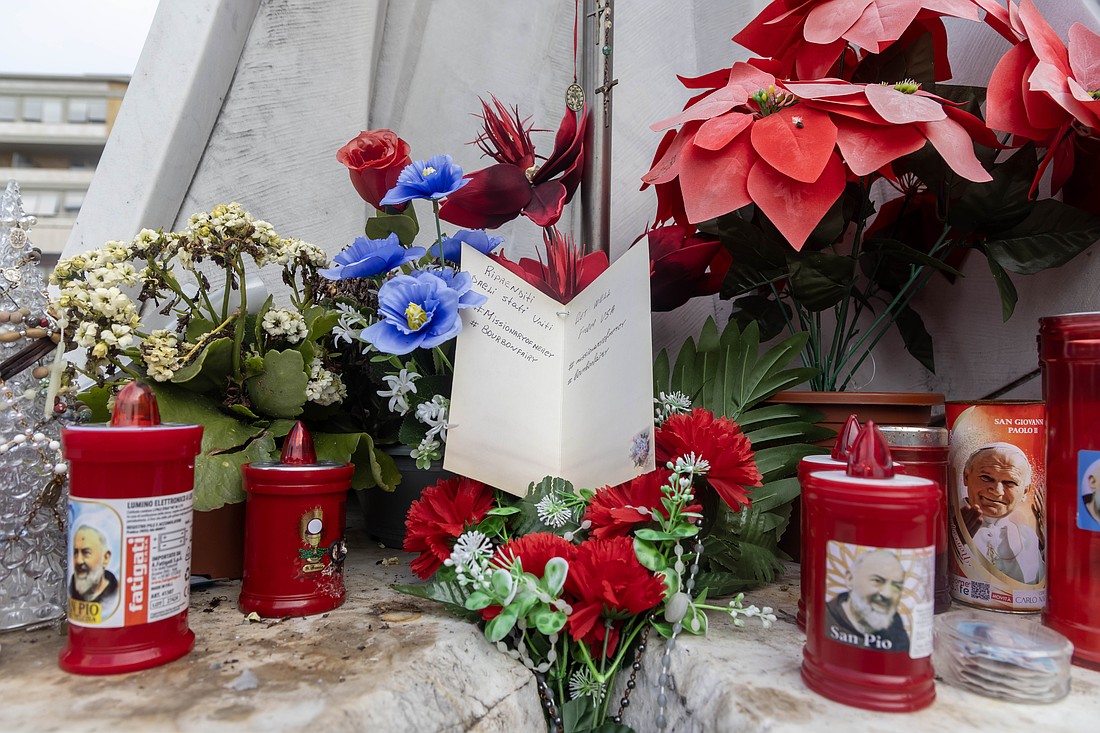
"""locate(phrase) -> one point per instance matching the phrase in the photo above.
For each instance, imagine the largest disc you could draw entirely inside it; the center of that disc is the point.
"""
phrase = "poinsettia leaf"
(1002, 203)
(907, 254)
(1052, 234)
(918, 342)
(1005, 288)
(769, 314)
(820, 280)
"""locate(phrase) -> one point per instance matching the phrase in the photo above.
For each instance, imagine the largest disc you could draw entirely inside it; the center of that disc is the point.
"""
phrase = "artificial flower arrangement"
(400, 359)
(245, 371)
(573, 583)
(851, 175)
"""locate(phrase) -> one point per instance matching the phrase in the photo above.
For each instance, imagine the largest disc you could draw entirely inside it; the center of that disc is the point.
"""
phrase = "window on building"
(41, 203)
(8, 109)
(72, 201)
(42, 109)
(87, 110)
(18, 160)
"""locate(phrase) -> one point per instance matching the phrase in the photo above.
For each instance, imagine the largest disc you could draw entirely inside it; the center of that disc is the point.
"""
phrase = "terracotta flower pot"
(912, 409)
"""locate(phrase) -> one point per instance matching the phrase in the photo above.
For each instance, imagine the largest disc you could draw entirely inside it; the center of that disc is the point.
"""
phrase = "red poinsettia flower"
(566, 272)
(683, 265)
(608, 583)
(518, 184)
(1044, 91)
(790, 147)
(721, 443)
(439, 516)
(808, 37)
(616, 510)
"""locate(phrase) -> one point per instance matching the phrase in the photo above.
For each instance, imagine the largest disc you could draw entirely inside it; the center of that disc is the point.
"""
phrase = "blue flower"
(479, 239)
(460, 282)
(370, 257)
(432, 179)
(417, 312)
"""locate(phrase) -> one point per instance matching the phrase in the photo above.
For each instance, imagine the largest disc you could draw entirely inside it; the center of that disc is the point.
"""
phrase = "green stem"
(238, 333)
(438, 230)
(786, 318)
(916, 282)
(443, 357)
(835, 357)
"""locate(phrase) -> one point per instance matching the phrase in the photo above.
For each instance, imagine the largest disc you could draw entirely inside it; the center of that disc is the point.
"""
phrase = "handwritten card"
(546, 389)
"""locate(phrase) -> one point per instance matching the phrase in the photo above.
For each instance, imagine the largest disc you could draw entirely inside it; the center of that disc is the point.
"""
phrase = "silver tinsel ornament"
(32, 474)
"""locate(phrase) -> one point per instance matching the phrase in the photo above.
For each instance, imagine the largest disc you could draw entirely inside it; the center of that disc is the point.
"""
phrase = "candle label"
(880, 598)
(996, 503)
(129, 559)
(1088, 485)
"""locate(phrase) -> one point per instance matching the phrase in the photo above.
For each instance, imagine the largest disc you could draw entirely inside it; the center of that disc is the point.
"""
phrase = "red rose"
(374, 160)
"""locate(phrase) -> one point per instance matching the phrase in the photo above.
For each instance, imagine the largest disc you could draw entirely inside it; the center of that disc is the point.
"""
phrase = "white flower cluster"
(434, 415)
(552, 511)
(161, 353)
(737, 610)
(349, 324)
(400, 386)
(676, 403)
(324, 387)
(285, 324)
(295, 250)
(102, 316)
(470, 559)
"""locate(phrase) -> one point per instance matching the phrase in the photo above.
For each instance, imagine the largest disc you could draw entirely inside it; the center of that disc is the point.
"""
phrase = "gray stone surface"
(387, 662)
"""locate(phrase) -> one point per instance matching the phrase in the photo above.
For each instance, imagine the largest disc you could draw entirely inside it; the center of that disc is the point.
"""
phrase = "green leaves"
(404, 225)
(726, 373)
(1052, 234)
(210, 370)
(280, 391)
(820, 280)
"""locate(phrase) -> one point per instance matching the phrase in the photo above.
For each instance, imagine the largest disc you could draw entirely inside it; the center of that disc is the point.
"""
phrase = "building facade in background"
(52, 133)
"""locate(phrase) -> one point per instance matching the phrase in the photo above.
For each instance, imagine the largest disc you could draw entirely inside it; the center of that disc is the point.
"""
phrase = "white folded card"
(546, 389)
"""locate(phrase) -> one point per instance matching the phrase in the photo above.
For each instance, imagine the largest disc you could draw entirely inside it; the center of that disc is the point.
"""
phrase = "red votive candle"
(294, 531)
(870, 538)
(923, 452)
(1069, 348)
(835, 461)
(130, 513)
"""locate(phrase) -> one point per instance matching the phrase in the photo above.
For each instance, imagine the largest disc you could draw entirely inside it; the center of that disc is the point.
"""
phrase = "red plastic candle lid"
(869, 456)
(298, 447)
(136, 407)
(845, 438)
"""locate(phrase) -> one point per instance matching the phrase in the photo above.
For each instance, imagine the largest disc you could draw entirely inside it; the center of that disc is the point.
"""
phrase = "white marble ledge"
(386, 662)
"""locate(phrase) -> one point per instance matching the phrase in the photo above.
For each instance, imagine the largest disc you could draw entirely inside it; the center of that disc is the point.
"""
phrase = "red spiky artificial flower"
(721, 443)
(439, 516)
(567, 271)
(608, 583)
(518, 183)
(616, 510)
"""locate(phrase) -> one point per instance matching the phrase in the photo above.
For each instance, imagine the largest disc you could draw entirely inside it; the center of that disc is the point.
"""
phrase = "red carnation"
(721, 443)
(608, 582)
(533, 551)
(439, 516)
(616, 510)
